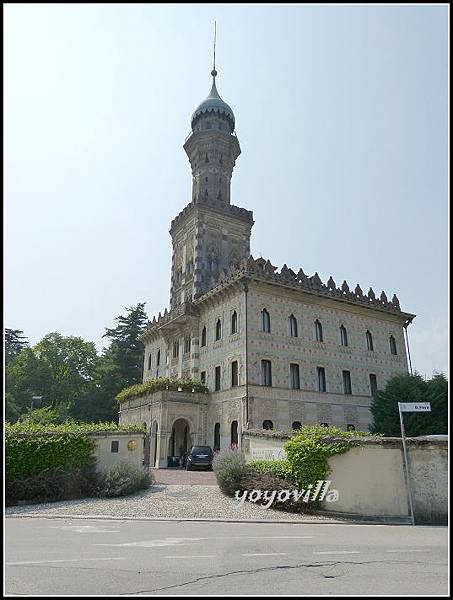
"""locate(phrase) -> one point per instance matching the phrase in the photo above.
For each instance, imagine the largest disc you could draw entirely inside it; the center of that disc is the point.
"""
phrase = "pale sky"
(342, 117)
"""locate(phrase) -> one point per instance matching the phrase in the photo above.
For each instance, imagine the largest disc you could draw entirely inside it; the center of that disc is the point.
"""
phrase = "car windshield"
(202, 449)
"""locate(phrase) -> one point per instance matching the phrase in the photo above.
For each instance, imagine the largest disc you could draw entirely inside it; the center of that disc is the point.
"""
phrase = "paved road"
(93, 557)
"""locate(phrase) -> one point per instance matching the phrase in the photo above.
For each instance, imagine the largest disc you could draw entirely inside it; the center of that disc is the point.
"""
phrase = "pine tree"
(15, 342)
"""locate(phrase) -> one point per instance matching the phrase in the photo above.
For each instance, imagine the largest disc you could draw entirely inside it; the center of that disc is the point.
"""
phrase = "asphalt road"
(114, 557)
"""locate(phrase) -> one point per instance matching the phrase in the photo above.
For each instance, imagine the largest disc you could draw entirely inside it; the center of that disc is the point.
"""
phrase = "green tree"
(71, 363)
(15, 342)
(25, 376)
(119, 366)
(126, 350)
(411, 388)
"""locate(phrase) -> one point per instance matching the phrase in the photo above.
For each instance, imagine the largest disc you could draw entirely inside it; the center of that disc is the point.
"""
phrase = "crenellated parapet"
(264, 270)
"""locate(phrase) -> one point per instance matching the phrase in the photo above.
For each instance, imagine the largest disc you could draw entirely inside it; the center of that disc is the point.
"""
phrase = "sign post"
(409, 407)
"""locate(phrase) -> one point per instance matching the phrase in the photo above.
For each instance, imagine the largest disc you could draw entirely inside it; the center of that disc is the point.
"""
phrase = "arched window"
(296, 425)
(217, 436)
(343, 336)
(234, 434)
(369, 340)
(318, 331)
(158, 358)
(234, 322)
(149, 361)
(218, 330)
(203, 336)
(292, 326)
(265, 321)
(392, 345)
(268, 425)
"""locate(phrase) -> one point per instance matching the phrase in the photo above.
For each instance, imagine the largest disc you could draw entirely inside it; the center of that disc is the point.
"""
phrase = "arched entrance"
(180, 439)
(154, 432)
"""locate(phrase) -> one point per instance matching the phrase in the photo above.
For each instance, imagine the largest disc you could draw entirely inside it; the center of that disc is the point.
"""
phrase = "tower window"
(369, 340)
(294, 376)
(292, 326)
(186, 344)
(203, 336)
(266, 373)
(343, 336)
(265, 321)
(234, 322)
(347, 383)
(158, 358)
(149, 361)
(392, 345)
(268, 425)
(218, 330)
(203, 377)
(234, 373)
(321, 379)
(176, 349)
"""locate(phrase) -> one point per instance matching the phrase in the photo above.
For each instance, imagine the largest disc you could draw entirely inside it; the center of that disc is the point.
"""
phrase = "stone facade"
(229, 313)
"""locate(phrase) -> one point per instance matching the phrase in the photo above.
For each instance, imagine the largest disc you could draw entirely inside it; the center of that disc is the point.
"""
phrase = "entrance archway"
(180, 439)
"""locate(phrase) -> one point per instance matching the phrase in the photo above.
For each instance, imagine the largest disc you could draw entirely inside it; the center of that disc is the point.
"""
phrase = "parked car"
(199, 457)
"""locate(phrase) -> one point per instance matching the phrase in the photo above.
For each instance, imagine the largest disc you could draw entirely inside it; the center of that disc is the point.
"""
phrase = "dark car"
(199, 457)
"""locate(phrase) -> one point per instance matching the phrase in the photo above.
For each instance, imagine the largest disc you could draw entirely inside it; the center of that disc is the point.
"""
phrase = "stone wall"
(129, 449)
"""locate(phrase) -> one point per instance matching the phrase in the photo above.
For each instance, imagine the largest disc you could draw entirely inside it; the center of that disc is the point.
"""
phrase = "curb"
(195, 519)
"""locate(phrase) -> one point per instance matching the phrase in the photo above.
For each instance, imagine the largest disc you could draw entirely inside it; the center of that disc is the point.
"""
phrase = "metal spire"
(214, 72)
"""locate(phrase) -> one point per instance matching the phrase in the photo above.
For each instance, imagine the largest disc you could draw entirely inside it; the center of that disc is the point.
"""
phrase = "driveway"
(183, 477)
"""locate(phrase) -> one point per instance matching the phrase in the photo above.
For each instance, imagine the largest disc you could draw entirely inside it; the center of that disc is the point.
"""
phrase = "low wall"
(113, 447)
(370, 480)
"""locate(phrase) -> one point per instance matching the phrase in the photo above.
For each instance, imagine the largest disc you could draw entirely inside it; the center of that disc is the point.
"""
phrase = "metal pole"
(408, 350)
(406, 467)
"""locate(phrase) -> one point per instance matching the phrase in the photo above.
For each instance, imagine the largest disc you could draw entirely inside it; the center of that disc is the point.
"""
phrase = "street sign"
(415, 406)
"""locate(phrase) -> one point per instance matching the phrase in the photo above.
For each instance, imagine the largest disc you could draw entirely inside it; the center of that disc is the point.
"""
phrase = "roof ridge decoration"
(263, 269)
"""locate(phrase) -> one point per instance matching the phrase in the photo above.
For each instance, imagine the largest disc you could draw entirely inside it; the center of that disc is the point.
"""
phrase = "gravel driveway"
(163, 501)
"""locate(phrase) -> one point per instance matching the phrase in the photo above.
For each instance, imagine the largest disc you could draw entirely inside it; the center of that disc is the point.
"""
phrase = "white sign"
(268, 454)
(415, 406)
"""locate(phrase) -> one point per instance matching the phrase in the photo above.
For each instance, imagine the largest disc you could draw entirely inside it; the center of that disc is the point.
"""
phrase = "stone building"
(276, 348)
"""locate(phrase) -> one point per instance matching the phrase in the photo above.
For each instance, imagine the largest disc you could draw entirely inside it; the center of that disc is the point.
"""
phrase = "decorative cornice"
(217, 205)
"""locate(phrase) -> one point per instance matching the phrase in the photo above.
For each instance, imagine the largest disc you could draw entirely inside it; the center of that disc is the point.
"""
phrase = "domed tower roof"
(213, 104)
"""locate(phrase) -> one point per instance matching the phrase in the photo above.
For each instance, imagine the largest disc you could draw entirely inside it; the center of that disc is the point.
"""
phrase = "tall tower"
(210, 235)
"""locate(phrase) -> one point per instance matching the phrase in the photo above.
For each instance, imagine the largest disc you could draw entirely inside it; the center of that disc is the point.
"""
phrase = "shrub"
(278, 468)
(229, 467)
(267, 481)
(161, 383)
(121, 480)
(52, 486)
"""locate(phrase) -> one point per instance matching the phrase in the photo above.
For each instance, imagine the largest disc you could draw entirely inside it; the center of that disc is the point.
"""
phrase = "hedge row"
(32, 449)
